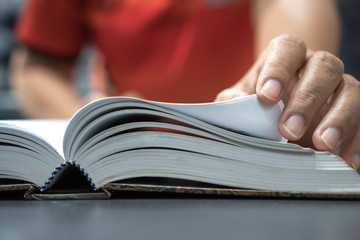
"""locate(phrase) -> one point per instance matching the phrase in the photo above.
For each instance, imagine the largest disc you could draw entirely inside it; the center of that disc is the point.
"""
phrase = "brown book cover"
(158, 188)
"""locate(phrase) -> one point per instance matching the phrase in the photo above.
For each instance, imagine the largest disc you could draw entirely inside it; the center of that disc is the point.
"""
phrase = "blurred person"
(192, 51)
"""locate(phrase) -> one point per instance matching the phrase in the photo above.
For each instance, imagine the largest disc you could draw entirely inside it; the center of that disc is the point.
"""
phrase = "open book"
(128, 144)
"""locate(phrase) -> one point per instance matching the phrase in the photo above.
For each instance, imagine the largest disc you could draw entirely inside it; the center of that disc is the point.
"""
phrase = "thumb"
(230, 93)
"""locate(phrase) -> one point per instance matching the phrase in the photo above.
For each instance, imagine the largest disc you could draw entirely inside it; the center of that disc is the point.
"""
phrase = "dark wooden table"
(180, 219)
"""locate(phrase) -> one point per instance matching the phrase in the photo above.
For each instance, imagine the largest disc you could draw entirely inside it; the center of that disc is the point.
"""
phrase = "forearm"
(42, 87)
(315, 22)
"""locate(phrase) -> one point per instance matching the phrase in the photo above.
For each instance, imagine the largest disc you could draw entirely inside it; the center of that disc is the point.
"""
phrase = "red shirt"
(167, 50)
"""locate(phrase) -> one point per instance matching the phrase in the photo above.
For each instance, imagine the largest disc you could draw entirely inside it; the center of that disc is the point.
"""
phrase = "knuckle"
(352, 95)
(309, 100)
(278, 68)
(325, 59)
(287, 39)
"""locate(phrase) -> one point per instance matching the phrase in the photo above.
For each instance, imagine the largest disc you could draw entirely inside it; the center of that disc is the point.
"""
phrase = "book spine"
(62, 166)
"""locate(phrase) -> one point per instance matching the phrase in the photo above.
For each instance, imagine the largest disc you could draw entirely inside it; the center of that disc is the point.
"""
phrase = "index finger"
(286, 56)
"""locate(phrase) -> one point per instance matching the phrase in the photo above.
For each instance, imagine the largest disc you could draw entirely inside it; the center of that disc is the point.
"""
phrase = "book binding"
(61, 167)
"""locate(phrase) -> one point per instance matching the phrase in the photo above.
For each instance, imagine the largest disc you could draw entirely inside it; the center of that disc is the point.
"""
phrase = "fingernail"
(355, 161)
(295, 125)
(271, 90)
(331, 137)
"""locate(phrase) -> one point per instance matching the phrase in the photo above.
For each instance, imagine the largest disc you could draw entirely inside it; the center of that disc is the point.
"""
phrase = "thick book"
(119, 145)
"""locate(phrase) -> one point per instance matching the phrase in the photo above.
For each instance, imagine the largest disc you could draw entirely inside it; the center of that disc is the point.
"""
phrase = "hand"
(321, 102)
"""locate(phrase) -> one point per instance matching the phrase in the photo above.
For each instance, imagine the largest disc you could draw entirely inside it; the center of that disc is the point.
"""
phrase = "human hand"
(321, 102)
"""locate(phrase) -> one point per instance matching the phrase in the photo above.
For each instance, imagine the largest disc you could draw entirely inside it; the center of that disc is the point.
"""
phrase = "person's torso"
(178, 51)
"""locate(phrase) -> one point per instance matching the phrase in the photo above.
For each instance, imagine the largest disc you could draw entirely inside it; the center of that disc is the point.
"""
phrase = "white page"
(247, 114)
(51, 130)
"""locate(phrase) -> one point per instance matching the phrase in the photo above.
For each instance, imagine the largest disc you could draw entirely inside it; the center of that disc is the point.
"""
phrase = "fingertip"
(330, 139)
(229, 94)
(293, 127)
(271, 91)
(352, 160)
(355, 161)
(350, 156)
(324, 141)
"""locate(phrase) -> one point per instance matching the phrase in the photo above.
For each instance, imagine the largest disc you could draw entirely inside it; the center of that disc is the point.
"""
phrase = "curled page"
(247, 115)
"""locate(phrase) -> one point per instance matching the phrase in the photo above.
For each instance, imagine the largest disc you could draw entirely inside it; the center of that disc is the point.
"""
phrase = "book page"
(247, 115)
(51, 130)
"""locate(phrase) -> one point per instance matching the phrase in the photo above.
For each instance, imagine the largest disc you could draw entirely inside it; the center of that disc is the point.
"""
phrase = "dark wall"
(350, 38)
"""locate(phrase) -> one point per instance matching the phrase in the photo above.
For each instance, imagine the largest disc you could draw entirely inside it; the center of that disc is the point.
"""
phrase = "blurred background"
(9, 9)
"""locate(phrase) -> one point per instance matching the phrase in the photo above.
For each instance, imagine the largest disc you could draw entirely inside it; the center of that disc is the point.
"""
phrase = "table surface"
(180, 219)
